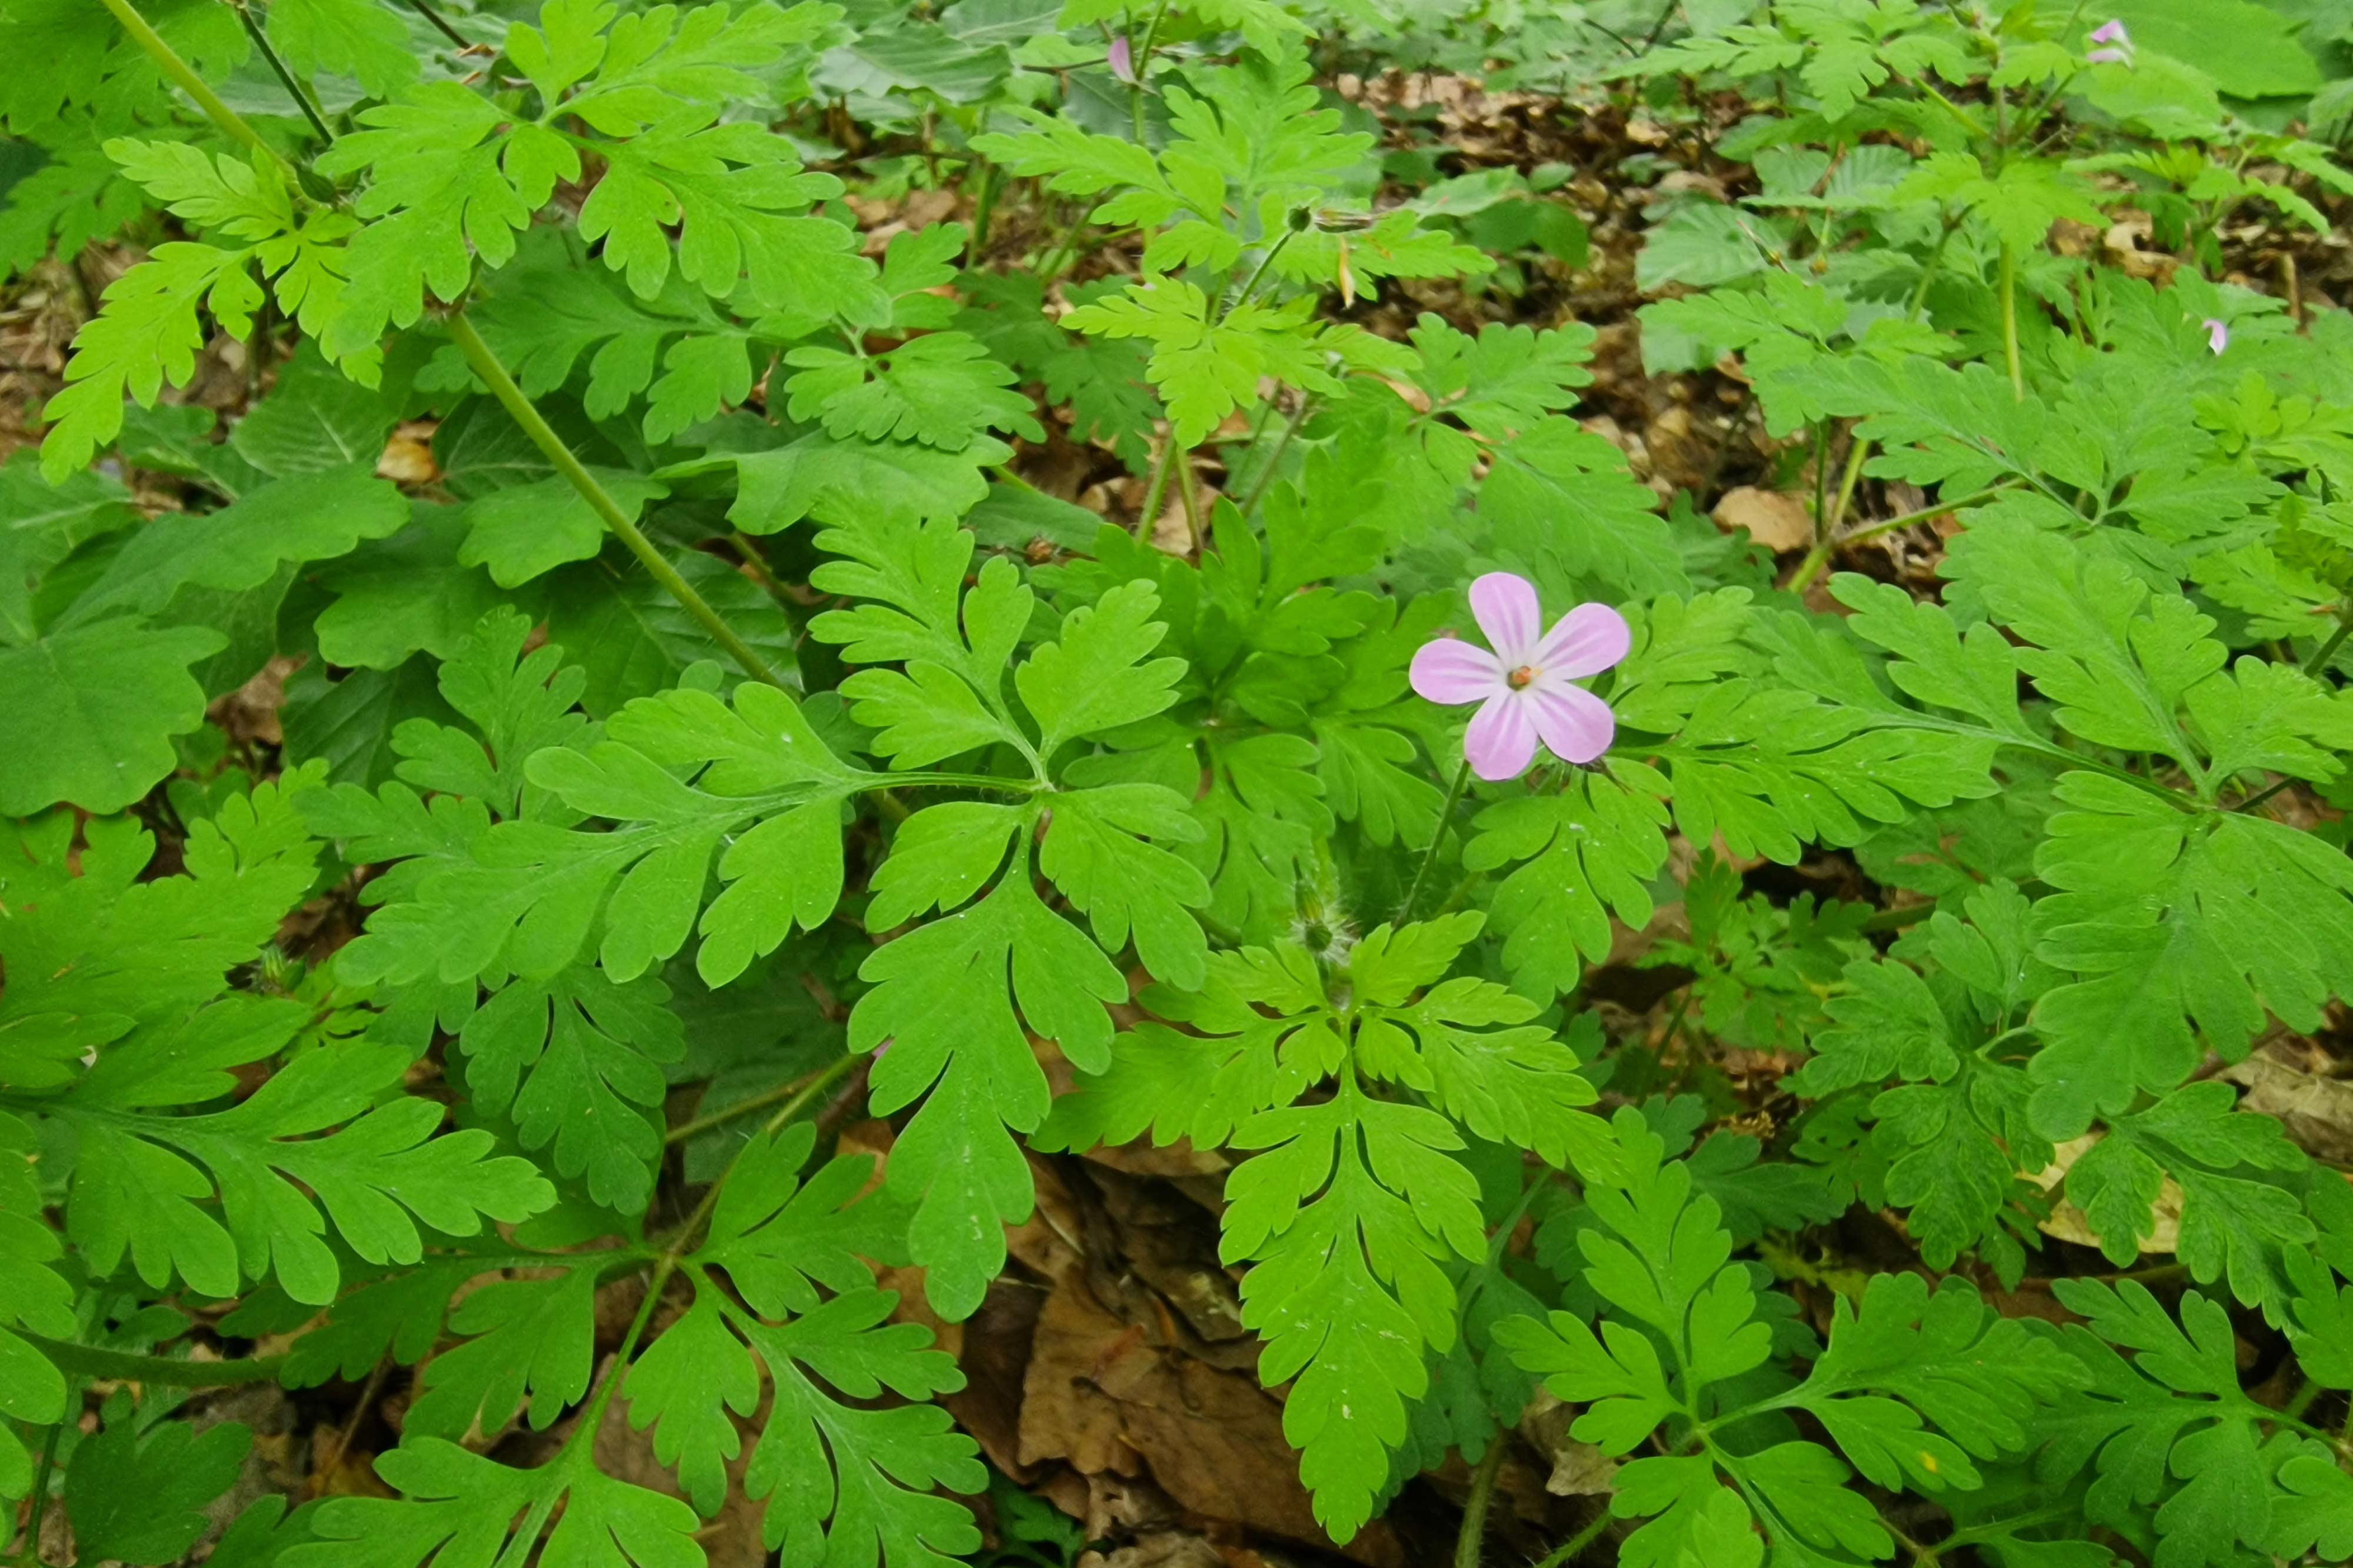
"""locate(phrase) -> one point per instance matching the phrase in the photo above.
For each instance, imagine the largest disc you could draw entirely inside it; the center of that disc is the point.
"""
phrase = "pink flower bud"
(1123, 61)
(2218, 335)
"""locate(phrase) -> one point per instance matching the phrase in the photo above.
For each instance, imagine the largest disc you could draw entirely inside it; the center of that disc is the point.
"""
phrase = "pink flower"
(2218, 335)
(2112, 32)
(1123, 61)
(1524, 687)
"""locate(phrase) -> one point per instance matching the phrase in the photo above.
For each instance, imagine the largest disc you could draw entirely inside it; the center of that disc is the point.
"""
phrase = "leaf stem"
(2009, 320)
(527, 417)
(1155, 492)
(742, 1108)
(285, 76)
(40, 1502)
(441, 23)
(1273, 464)
(1819, 557)
(2327, 650)
(1437, 837)
(122, 1366)
(231, 123)
(1139, 63)
(1468, 1545)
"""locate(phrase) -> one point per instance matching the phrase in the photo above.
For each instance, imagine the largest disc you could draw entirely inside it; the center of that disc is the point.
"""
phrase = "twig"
(325, 1474)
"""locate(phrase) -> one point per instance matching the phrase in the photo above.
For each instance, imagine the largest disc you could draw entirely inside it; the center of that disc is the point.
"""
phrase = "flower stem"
(1437, 837)
(1157, 491)
(122, 1366)
(527, 418)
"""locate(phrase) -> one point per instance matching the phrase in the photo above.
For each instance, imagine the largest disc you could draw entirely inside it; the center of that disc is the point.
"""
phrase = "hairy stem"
(1469, 1546)
(1567, 1553)
(1274, 459)
(527, 418)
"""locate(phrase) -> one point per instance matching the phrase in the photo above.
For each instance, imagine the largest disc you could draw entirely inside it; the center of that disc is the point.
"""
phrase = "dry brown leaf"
(2318, 1112)
(1774, 519)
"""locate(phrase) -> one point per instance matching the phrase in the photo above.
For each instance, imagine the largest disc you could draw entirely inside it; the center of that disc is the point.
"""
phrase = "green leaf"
(146, 1502)
(576, 1061)
(111, 696)
(941, 389)
(458, 1506)
(524, 531)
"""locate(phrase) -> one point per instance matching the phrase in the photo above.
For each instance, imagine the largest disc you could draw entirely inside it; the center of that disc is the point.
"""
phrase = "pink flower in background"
(2218, 335)
(2118, 51)
(1525, 688)
(1122, 59)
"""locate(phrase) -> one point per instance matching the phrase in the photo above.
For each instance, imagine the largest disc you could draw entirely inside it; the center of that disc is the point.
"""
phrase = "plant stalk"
(527, 417)
(122, 1366)
(441, 23)
(285, 75)
(2009, 320)
(1437, 837)
(1567, 1551)
(231, 123)
(1157, 491)
(2318, 662)
(1470, 1545)
(1811, 567)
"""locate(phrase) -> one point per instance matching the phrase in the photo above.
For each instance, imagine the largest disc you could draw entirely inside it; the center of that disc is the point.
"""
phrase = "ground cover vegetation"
(1208, 780)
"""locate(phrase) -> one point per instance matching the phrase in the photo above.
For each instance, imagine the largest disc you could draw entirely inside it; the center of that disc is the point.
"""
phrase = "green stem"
(122, 1366)
(1468, 1545)
(984, 203)
(527, 417)
(2327, 650)
(1822, 485)
(741, 1109)
(442, 23)
(1274, 458)
(756, 564)
(1567, 1551)
(1139, 62)
(1437, 837)
(285, 76)
(2009, 320)
(184, 76)
(1157, 491)
(1811, 566)
(40, 1508)
(1250, 286)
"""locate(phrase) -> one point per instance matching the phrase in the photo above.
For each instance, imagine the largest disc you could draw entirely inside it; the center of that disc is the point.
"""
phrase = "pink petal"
(1576, 725)
(2218, 335)
(2111, 31)
(1588, 640)
(1502, 739)
(1452, 670)
(1122, 59)
(1506, 608)
(2108, 57)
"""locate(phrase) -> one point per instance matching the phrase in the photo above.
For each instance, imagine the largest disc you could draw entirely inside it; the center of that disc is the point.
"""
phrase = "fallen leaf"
(2318, 1112)
(1774, 519)
(2069, 1223)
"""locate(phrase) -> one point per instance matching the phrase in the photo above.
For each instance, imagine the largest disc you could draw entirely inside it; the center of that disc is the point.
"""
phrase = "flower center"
(1523, 676)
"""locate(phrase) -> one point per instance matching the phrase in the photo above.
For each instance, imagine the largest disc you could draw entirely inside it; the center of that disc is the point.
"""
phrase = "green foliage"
(608, 812)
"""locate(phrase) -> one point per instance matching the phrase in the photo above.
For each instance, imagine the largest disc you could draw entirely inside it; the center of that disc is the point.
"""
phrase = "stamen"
(1523, 676)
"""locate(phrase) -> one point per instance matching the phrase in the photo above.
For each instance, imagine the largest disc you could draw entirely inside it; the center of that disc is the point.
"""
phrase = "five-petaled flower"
(1526, 689)
(2118, 48)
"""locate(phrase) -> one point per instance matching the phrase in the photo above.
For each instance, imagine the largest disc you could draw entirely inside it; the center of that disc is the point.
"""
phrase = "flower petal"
(2111, 31)
(1508, 614)
(1576, 725)
(1502, 739)
(1588, 640)
(1452, 670)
